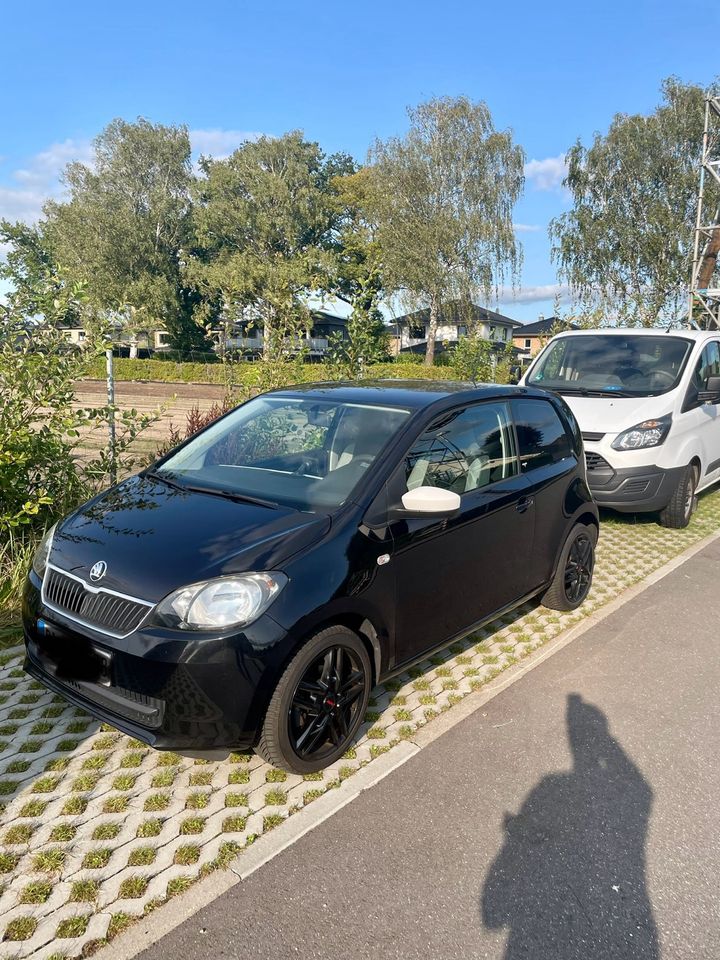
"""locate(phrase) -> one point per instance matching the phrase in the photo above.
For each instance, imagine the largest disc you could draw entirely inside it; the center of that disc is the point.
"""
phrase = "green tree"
(443, 199)
(357, 277)
(124, 227)
(37, 286)
(264, 225)
(625, 247)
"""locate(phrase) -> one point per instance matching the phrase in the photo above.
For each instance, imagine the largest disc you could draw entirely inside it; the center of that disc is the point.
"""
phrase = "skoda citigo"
(250, 588)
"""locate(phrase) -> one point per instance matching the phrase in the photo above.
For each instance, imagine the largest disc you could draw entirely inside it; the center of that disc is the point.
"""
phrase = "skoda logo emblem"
(98, 570)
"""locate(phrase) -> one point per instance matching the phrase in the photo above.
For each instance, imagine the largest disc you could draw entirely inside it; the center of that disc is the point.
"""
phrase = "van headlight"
(217, 604)
(649, 433)
(43, 552)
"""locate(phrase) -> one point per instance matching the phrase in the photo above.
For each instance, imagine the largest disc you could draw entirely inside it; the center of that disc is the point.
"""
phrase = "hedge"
(246, 374)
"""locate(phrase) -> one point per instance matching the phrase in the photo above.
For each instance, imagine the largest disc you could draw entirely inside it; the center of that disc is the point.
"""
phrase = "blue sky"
(343, 73)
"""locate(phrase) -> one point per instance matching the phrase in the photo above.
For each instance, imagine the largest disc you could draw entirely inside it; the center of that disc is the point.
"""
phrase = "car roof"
(640, 332)
(413, 394)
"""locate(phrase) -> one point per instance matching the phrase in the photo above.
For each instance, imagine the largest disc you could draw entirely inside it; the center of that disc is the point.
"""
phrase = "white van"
(647, 402)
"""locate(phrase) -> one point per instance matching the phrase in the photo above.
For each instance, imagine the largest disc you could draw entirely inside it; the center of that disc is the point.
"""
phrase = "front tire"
(677, 513)
(318, 704)
(573, 576)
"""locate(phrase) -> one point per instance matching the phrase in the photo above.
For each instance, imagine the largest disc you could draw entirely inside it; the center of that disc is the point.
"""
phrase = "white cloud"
(527, 227)
(39, 180)
(535, 294)
(547, 174)
(219, 143)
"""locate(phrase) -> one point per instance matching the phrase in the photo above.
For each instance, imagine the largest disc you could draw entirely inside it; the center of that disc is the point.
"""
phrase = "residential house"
(455, 321)
(530, 338)
(247, 337)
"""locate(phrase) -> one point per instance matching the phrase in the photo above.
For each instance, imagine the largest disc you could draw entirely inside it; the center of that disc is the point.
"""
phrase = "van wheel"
(683, 501)
(318, 704)
(573, 576)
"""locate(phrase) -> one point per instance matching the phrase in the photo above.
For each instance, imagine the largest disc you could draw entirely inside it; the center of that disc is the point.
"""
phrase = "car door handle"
(522, 505)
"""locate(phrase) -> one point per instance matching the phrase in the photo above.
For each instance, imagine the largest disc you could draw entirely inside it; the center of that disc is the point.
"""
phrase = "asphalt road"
(573, 816)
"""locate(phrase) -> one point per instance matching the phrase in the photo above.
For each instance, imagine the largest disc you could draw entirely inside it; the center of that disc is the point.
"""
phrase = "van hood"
(615, 414)
(155, 538)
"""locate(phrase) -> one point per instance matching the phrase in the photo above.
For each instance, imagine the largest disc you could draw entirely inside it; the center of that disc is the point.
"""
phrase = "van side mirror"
(431, 500)
(711, 393)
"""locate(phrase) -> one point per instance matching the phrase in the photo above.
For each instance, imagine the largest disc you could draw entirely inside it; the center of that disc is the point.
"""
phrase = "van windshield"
(611, 365)
(300, 452)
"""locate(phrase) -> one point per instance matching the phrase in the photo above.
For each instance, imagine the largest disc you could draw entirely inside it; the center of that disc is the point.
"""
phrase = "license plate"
(72, 657)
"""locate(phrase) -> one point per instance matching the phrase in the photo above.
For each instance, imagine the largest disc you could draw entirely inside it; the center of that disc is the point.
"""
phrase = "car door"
(452, 573)
(702, 420)
(548, 464)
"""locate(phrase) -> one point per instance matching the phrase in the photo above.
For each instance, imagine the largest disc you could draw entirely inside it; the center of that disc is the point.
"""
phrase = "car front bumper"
(643, 489)
(174, 691)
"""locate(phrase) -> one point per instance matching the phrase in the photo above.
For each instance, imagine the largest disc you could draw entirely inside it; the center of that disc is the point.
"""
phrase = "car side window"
(707, 366)
(464, 450)
(542, 437)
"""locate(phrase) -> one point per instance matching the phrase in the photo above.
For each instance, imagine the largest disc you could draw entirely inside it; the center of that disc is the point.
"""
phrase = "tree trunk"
(432, 333)
(709, 260)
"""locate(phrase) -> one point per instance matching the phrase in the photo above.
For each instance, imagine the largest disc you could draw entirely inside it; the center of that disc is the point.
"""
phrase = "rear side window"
(466, 449)
(542, 438)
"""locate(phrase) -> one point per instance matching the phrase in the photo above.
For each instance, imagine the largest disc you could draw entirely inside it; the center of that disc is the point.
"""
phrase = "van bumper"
(633, 489)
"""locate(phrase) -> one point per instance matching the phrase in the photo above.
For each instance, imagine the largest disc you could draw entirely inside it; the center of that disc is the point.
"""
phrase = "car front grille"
(592, 436)
(595, 462)
(103, 609)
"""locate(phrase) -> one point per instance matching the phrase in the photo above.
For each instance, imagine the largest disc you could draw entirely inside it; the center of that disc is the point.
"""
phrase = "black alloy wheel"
(573, 575)
(318, 704)
(326, 703)
(579, 569)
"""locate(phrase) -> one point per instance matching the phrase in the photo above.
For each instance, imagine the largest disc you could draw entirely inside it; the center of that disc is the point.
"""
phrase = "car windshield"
(304, 453)
(611, 365)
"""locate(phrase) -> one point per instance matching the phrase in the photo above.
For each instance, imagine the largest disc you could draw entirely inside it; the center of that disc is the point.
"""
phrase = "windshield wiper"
(163, 478)
(589, 392)
(231, 495)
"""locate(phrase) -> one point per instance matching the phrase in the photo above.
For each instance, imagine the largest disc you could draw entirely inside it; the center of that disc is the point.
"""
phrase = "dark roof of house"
(540, 327)
(458, 312)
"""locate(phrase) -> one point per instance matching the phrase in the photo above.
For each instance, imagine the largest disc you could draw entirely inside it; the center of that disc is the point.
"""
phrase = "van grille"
(595, 462)
(594, 437)
(102, 609)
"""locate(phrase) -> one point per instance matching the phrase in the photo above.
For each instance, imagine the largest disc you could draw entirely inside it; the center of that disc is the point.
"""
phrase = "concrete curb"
(152, 928)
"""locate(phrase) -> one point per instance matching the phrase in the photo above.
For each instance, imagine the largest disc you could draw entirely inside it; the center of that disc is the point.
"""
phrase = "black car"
(250, 588)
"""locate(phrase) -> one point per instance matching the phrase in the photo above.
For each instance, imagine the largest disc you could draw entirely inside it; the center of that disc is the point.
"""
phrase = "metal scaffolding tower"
(704, 308)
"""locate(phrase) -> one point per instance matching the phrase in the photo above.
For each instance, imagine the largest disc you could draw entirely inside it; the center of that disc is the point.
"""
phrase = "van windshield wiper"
(163, 478)
(588, 392)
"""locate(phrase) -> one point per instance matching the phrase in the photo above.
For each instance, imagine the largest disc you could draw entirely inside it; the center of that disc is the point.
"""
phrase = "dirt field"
(145, 397)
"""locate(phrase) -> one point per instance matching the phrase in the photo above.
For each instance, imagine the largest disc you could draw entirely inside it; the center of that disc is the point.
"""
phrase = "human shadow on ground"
(569, 881)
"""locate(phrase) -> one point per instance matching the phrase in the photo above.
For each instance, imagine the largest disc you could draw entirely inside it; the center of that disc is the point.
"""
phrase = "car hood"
(615, 414)
(155, 538)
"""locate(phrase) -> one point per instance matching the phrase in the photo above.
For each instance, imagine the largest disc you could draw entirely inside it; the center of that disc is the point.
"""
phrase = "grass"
(192, 825)
(72, 927)
(34, 808)
(50, 860)
(37, 892)
(133, 887)
(187, 854)
(63, 833)
(236, 799)
(149, 828)
(84, 891)
(106, 831)
(142, 857)
(97, 859)
(234, 824)
(197, 801)
(239, 776)
(275, 797)
(157, 801)
(21, 928)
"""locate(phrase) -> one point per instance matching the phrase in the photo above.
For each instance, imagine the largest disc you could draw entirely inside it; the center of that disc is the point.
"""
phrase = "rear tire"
(683, 502)
(318, 704)
(573, 576)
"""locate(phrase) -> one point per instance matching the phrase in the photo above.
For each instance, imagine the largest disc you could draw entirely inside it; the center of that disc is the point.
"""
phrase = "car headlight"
(43, 552)
(649, 433)
(233, 601)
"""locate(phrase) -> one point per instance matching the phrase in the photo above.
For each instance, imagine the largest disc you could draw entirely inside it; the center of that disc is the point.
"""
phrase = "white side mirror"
(431, 500)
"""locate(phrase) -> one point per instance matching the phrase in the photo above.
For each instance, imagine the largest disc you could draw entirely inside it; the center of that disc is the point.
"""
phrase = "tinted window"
(464, 450)
(542, 438)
